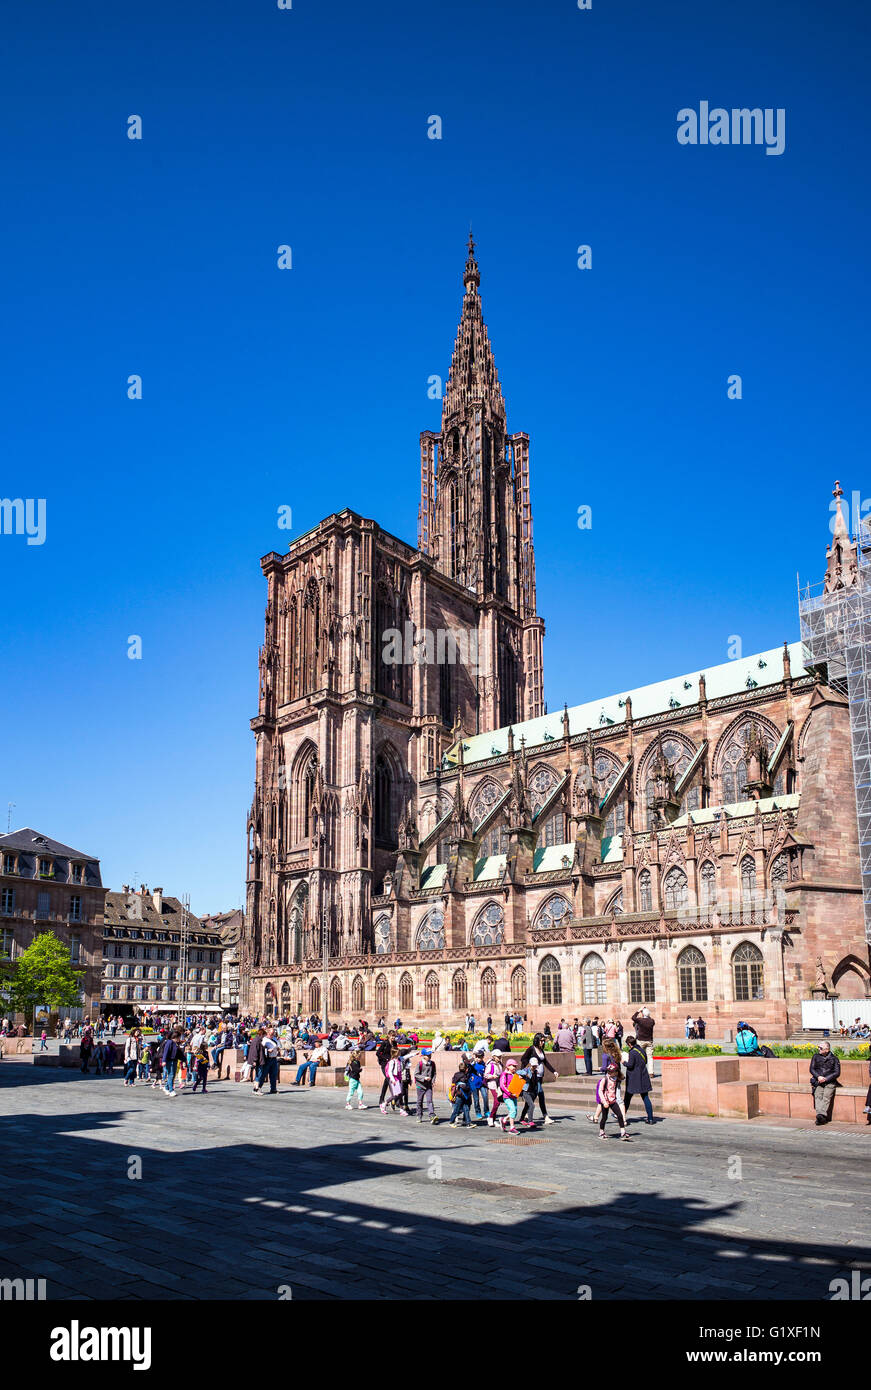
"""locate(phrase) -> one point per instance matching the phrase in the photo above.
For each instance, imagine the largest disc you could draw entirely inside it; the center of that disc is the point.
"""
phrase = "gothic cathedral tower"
(475, 520)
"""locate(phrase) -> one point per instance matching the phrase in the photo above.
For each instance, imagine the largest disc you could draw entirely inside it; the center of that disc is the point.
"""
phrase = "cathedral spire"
(473, 380)
(841, 554)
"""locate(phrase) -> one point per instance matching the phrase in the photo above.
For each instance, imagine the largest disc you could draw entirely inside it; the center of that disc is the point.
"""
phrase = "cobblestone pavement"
(116, 1193)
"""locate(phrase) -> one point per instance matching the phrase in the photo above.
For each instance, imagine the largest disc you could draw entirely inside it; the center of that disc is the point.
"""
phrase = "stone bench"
(744, 1087)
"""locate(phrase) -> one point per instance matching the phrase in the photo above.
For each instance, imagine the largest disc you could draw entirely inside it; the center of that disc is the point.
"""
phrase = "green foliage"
(43, 974)
(850, 1054)
(691, 1050)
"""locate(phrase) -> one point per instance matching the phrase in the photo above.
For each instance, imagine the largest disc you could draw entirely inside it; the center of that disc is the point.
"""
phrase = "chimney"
(157, 899)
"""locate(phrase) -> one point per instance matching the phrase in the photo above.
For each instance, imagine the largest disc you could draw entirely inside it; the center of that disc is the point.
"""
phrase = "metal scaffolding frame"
(836, 631)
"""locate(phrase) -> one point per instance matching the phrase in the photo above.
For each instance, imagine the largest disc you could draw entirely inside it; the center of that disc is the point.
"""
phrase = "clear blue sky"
(307, 388)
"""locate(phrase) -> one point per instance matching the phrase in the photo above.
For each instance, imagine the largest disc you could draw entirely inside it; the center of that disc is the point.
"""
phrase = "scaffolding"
(836, 631)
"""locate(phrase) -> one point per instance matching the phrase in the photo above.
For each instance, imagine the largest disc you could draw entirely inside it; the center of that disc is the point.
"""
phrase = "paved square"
(241, 1196)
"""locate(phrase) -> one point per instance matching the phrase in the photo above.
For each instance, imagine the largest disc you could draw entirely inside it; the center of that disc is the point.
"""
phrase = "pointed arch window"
(692, 973)
(645, 891)
(489, 927)
(594, 980)
(431, 992)
(550, 981)
(488, 988)
(541, 786)
(382, 935)
(605, 770)
(311, 643)
(733, 763)
(679, 757)
(459, 991)
(554, 912)
(335, 996)
(406, 993)
(748, 883)
(507, 684)
(358, 995)
(314, 997)
(381, 995)
(385, 799)
(708, 885)
(431, 932)
(285, 998)
(748, 972)
(642, 987)
(518, 989)
(674, 890)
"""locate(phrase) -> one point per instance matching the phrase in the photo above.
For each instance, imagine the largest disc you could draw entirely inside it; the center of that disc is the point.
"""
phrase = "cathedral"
(426, 839)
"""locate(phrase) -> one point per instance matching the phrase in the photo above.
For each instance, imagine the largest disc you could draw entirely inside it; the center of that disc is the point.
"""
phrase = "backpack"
(424, 1072)
(348, 1072)
(452, 1092)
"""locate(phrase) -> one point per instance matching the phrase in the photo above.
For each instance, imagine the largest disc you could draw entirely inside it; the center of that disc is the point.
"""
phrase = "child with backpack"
(355, 1085)
(201, 1063)
(492, 1073)
(461, 1094)
(505, 1092)
(424, 1080)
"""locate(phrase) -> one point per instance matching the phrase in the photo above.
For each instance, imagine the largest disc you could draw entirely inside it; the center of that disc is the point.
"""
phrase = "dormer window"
(9, 864)
(46, 868)
(77, 873)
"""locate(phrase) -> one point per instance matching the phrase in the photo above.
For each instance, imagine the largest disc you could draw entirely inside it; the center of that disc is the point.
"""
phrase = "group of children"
(488, 1082)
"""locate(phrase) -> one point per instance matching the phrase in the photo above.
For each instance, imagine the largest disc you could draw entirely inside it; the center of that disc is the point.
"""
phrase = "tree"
(43, 974)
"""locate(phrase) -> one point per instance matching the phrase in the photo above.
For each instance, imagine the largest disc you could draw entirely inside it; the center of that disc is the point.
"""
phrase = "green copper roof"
(490, 867)
(734, 809)
(729, 678)
(551, 857)
(434, 876)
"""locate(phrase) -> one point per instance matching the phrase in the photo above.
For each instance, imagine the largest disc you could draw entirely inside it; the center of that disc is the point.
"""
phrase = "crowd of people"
(856, 1029)
(185, 1052)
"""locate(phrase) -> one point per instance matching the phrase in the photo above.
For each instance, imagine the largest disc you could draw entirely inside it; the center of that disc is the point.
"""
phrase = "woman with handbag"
(638, 1081)
(533, 1064)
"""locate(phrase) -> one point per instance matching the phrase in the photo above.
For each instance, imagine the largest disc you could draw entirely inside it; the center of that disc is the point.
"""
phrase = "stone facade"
(47, 886)
(230, 926)
(157, 956)
(422, 821)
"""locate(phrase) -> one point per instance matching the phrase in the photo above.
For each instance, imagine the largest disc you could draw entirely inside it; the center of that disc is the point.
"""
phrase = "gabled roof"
(33, 842)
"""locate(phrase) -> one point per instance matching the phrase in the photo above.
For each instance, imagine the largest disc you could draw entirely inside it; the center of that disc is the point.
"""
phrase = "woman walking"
(535, 1061)
(132, 1055)
(638, 1081)
(393, 1083)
